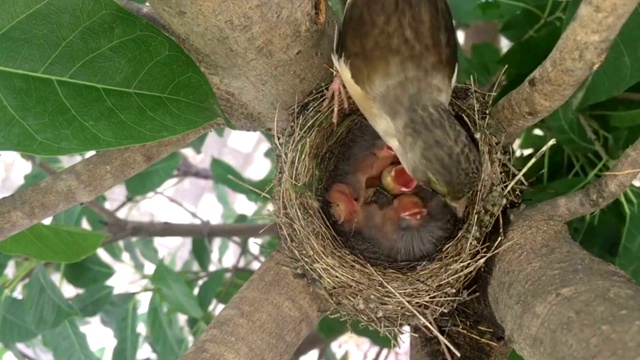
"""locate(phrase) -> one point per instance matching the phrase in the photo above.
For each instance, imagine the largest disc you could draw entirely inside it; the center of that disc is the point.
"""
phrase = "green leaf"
(96, 221)
(225, 174)
(4, 261)
(268, 246)
(528, 22)
(71, 217)
(93, 299)
(57, 243)
(543, 192)
(228, 211)
(13, 325)
(602, 232)
(209, 288)
(88, 272)
(147, 249)
(222, 249)
(154, 176)
(175, 291)
(121, 316)
(165, 335)
(337, 7)
(332, 328)
(620, 139)
(115, 250)
(97, 77)
(564, 125)
(197, 144)
(466, 12)
(201, 250)
(232, 285)
(68, 342)
(132, 250)
(46, 306)
(617, 112)
(483, 64)
(621, 67)
(521, 61)
(628, 258)
(36, 175)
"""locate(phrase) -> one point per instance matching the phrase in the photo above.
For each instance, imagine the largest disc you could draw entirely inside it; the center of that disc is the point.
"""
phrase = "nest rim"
(383, 297)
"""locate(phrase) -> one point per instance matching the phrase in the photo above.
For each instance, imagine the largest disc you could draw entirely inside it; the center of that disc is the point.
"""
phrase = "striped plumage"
(398, 61)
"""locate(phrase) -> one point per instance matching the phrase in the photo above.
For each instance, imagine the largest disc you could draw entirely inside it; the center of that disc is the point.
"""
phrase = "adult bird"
(398, 62)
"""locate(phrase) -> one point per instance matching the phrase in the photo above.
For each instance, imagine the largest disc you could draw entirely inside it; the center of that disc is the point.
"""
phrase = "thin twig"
(597, 194)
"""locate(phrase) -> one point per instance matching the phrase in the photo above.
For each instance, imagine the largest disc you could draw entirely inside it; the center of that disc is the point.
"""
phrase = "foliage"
(84, 75)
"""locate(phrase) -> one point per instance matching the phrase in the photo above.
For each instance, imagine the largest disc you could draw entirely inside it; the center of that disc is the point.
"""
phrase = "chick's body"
(412, 228)
(374, 223)
(398, 61)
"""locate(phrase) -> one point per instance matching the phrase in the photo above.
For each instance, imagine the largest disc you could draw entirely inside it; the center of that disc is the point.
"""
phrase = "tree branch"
(286, 315)
(581, 49)
(186, 168)
(481, 32)
(597, 194)
(556, 301)
(83, 181)
(260, 56)
(121, 229)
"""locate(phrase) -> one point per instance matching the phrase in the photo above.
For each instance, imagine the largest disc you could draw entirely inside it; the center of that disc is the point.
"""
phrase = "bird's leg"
(337, 91)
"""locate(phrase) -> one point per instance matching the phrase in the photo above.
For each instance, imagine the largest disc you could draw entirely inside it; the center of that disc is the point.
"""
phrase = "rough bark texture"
(260, 56)
(580, 50)
(556, 301)
(83, 182)
(267, 319)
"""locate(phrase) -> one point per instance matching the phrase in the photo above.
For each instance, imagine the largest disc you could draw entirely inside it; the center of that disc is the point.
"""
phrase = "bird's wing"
(388, 43)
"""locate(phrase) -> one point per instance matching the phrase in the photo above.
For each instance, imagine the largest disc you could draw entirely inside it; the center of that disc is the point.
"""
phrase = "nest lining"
(382, 297)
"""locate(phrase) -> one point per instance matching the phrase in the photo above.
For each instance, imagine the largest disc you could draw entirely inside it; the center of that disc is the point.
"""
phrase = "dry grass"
(382, 297)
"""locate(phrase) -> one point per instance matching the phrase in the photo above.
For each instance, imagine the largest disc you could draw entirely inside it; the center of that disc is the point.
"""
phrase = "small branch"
(544, 289)
(82, 182)
(188, 169)
(581, 49)
(597, 194)
(121, 229)
(299, 310)
(93, 205)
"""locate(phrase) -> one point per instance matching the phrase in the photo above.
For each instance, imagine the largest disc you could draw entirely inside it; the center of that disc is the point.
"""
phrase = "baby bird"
(378, 209)
(413, 228)
(397, 59)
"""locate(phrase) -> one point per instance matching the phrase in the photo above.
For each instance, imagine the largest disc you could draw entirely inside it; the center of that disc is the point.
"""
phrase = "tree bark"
(556, 301)
(267, 319)
(552, 298)
(260, 56)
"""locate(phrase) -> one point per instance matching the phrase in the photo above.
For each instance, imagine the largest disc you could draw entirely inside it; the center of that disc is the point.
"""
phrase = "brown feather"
(398, 59)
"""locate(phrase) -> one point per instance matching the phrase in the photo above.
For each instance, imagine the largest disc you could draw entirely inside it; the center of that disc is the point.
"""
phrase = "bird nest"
(382, 296)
